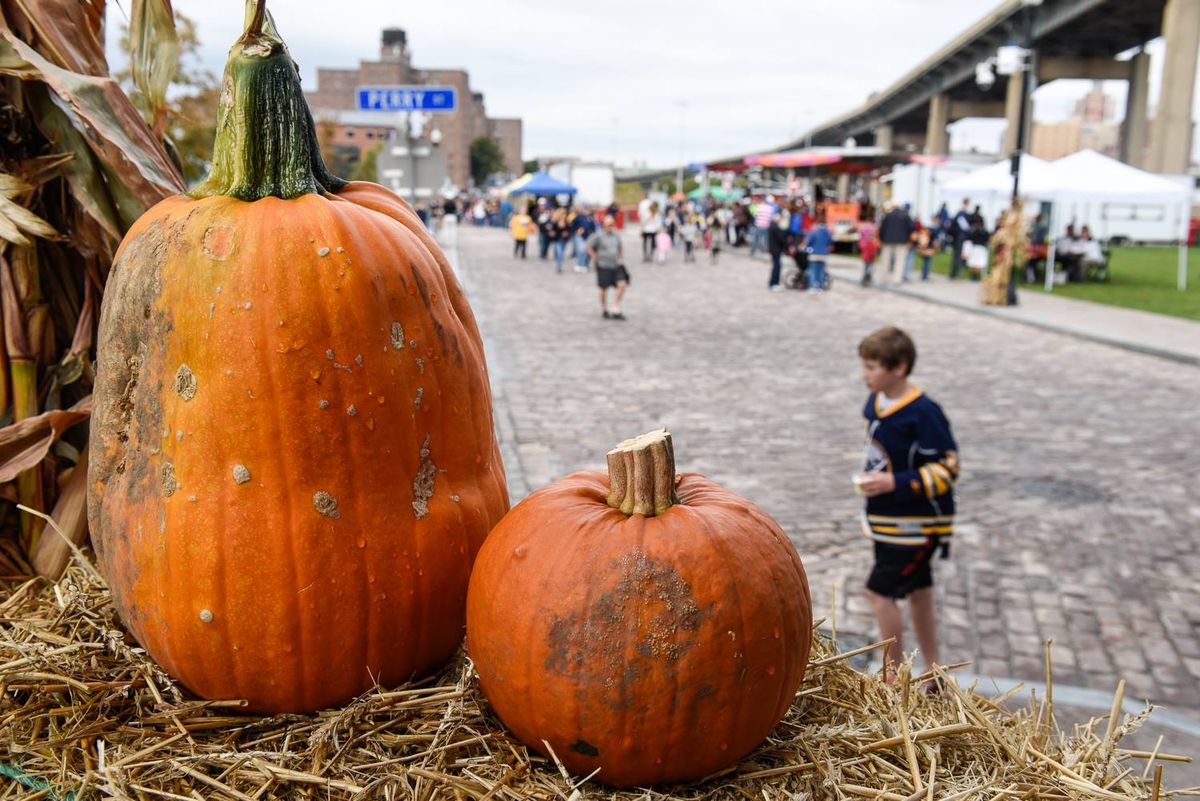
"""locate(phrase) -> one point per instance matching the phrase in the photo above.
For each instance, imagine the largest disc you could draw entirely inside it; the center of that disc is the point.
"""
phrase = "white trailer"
(593, 179)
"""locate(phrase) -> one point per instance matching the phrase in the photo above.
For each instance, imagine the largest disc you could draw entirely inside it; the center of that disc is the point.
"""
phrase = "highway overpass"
(1071, 39)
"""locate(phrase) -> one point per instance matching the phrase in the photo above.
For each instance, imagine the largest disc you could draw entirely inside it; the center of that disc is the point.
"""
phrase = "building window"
(349, 134)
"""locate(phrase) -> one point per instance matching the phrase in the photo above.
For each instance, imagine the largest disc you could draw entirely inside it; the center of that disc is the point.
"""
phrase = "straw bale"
(84, 713)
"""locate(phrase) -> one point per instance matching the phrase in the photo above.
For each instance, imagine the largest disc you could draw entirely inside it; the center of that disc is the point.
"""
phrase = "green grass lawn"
(1139, 278)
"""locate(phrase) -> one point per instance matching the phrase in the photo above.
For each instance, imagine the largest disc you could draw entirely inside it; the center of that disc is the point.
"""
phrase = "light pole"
(1019, 61)
(679, 172)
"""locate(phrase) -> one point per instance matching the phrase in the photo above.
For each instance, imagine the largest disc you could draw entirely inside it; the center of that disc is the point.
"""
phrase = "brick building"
(334, 102)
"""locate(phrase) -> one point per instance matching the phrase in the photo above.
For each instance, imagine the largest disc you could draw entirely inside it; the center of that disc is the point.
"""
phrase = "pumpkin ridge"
(333, 227)
(288, 557)
(727, 561)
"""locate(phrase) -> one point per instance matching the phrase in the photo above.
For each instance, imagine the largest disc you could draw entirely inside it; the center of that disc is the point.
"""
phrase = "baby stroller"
(795, 276)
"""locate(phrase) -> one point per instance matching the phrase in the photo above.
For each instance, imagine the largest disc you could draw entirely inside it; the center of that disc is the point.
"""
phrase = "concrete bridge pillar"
(884, 137)
(1171, 138)
(937, 139)
(1134, 126)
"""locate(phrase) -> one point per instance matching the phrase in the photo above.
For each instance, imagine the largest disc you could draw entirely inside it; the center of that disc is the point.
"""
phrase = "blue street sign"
(407, 98)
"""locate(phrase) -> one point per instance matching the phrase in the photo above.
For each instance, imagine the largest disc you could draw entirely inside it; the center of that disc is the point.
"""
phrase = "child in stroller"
(796, 276)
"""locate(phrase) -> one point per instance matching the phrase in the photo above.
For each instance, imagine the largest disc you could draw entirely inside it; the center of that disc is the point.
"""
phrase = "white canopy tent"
(1089, 177)
(995, 181)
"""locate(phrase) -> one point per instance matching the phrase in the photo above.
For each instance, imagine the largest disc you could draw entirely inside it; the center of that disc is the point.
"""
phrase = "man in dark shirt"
(895, 234)
(961, 228)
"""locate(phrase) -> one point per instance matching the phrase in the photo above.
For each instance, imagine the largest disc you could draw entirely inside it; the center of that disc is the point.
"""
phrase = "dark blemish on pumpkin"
(397, 336)
(417, 400)
(329, 353)
(424, 481)
(351, 410)
(455, 498)
(326, 504)
(582, 746)
(642, 589)
(323, 252)
(167, 479)
(125, 402)
(412, 343)
(125, 410)
(705, 691)
(240, 474)
(358, 360)
(185, 382)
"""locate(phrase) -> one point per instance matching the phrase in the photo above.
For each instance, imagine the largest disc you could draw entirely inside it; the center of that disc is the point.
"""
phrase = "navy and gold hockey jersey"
(911, 439)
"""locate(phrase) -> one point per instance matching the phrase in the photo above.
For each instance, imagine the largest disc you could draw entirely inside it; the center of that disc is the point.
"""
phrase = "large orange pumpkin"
(654, 629)
(293, 456)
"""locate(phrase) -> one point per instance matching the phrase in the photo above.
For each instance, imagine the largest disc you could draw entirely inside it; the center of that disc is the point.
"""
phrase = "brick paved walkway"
(1080, 515)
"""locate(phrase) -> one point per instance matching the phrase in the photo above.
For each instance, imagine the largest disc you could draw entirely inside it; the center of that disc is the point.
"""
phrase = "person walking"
(583, 225)
(519, 224)
(894, 233)
(868, 248)
(818, 243)
(778, 237)
(717, 230)
(960, 229)
(662, 245)
(606, 252)
(688, 232)
(542, 218)
(651, 224)
(908, 480)
(560, 234)
(764, 213)
(910, 256)
(926, 246)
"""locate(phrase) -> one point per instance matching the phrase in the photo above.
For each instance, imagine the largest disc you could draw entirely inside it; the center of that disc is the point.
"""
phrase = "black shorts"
(611, 276)
(901, 569)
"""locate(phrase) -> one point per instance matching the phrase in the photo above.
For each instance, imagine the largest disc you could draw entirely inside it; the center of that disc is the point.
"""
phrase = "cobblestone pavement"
(1080, 515)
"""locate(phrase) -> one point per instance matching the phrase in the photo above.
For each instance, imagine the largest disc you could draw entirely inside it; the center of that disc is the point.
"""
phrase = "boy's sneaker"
(606, 314)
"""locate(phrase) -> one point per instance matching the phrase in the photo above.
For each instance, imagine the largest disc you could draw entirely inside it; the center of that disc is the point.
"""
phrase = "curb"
(1087, 698)
(1124, 344)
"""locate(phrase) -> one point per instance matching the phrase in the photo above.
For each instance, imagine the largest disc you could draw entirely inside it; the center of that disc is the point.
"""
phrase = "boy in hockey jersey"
(911, 467)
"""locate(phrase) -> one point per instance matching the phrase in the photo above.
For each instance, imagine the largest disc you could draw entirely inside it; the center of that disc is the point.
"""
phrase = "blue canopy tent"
(541, 183)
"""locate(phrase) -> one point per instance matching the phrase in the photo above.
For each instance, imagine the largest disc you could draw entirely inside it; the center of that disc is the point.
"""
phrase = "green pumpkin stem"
(641, 475)
(266, 143)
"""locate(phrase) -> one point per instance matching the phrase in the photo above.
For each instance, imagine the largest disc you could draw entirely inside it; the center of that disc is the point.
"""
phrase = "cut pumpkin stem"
(641, 474)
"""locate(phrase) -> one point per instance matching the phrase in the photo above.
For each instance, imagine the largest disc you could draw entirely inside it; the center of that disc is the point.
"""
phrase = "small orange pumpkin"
(652, 628)
(293, 456)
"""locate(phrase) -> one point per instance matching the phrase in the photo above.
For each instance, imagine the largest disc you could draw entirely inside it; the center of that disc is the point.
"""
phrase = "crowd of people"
(893, 244)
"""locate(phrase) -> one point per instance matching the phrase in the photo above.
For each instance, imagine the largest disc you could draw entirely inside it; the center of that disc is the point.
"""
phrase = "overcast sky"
(642, 81)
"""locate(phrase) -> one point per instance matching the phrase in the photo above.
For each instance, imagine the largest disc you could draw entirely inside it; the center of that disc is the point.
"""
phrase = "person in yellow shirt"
(520, 224)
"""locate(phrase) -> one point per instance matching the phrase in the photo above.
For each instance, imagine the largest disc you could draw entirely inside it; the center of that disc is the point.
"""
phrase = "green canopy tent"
(717, 193)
